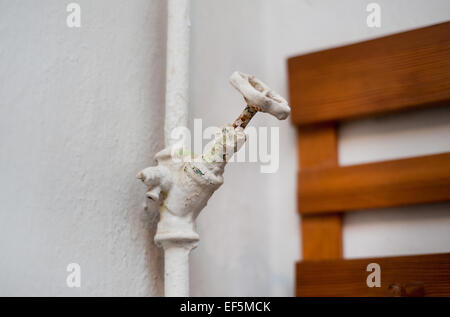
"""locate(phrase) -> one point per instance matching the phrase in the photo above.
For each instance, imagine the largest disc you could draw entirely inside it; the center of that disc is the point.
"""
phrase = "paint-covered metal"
(183, 183)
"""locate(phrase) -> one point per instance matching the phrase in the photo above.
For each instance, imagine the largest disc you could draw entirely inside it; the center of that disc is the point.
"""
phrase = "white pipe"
(176, 249)
(177, 67)
(176, 268)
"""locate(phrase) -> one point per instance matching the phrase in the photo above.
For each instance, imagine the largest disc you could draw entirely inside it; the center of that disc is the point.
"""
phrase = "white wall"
(80, 115)
(250, 229)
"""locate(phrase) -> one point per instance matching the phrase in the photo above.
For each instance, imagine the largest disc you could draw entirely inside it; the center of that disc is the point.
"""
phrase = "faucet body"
(183, 183)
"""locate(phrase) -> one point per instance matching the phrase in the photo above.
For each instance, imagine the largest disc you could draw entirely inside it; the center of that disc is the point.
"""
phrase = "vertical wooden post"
(321, 234)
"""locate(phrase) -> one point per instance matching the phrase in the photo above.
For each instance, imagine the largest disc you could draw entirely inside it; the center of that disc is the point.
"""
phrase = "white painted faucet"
(183, 184)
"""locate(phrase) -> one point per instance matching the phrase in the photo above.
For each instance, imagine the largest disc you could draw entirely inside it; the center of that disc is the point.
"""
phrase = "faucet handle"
(260, 96)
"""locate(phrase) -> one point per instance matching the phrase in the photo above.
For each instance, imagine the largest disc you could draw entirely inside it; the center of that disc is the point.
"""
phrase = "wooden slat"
(322, 234)
(420, 275)
(415, 180)
(322, 237)
(317, 146)
(402, 71)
